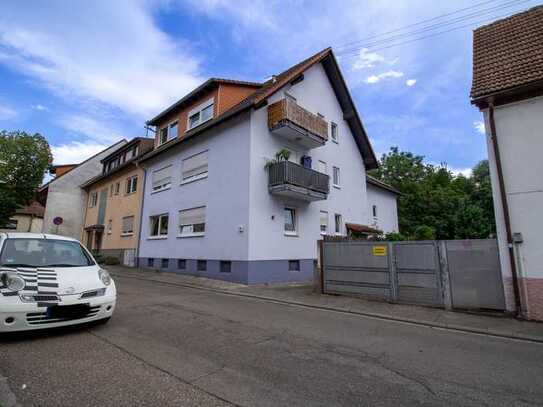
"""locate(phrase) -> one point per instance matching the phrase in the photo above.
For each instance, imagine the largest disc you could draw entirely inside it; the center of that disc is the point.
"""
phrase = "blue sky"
(85, 74)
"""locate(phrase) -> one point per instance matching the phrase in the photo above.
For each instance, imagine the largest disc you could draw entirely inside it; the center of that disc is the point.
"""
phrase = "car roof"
(23, 235)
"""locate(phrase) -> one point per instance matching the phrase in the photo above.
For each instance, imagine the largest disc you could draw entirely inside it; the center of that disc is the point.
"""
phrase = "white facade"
(382, 209)
(244, 222)
(67, 200)
(519, 129)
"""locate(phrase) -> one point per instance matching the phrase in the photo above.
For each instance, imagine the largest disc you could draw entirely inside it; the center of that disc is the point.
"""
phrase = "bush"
(424, 232)
(111, 261)
(394, 237)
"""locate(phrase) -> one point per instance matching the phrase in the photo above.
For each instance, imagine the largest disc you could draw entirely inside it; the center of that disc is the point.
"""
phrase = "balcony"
(291, 121)
(291, 180)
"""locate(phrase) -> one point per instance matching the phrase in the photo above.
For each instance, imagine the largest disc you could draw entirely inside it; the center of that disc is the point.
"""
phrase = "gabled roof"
(380, 184)
(508, 54)
(146, 143)
(268, 88)
(203, 88)
(33, 209)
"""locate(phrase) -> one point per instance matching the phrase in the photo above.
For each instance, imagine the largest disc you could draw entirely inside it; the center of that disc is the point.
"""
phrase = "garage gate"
(459, 273)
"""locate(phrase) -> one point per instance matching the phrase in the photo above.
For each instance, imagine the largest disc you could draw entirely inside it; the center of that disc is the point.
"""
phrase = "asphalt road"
(169, 345)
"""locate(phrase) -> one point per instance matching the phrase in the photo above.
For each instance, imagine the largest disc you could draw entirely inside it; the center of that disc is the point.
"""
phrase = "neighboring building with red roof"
(217, 201)
(508, 88)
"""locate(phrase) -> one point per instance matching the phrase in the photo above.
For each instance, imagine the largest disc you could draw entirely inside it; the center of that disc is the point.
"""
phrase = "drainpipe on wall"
(137, 254)
(505, 206)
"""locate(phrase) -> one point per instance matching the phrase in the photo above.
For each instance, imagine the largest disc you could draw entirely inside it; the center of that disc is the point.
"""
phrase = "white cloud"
(385, 75)
(95, 129)
(39, 107)
(367, 59)
(7, 113)
(75, 152)
(480, 127)
(466, 172)
(410, 82)
(111, 53)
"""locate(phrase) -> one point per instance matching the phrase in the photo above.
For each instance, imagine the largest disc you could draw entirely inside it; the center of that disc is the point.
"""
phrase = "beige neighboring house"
(508, 89)
(113, 208)
(26, 219)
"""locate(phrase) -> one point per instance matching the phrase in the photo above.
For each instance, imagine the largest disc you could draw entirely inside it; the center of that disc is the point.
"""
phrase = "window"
(131, 184)
(165, 263)
(163, 137)
(150, 262)
(194, 167)
(324, 222)
(93, 199)
(294, 265)
(336, 178)
(162, 179)
(226, 266)
(201, 265)
(339, 223)
(192, 222)
(172, 131)
(109, 226)
(128, 226)
(374, 210)
(290, 221)
(111, 189)
(333, 132)
(159, 226)
(11, 224)
(117, 188)
(322, 167)
(166, 134)
(200, 114)
(181, 264)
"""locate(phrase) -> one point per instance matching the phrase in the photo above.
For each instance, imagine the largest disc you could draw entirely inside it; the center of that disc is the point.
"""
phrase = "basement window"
(165, 263)
(150, 262)
(226, 266)
(201, 265)
(294, 265)
(181, 264)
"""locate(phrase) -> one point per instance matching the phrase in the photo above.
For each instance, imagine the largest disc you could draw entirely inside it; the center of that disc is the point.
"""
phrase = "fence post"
(392, 272)
(444, 274)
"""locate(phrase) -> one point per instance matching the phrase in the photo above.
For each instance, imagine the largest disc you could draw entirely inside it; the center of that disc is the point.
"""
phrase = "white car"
(49, 281)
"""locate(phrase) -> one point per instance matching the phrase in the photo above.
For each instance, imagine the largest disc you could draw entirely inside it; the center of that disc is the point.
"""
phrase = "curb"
(410, 321)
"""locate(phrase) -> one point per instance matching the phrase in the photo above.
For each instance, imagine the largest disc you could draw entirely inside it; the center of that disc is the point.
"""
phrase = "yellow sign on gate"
(379, 250)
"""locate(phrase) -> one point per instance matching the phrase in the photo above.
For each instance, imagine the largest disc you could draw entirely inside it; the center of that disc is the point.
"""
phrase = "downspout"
(137, 254)
(505, 206)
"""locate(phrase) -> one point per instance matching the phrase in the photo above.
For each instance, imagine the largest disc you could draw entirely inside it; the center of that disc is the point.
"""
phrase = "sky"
(87, 74)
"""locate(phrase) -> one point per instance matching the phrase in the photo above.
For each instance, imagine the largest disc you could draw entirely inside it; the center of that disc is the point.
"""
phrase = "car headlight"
(104, 276)
(13, 281)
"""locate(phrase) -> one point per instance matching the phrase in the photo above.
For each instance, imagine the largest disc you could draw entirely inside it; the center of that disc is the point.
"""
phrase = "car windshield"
(43, 253)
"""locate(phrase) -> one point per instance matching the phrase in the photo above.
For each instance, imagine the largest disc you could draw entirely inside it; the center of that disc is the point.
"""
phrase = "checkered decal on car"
(40, 283)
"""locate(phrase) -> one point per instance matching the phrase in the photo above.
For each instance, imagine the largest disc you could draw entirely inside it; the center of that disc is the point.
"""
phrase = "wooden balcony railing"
(287, 110)
(286, 172)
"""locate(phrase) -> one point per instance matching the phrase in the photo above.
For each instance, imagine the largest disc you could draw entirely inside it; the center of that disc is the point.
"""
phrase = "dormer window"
(168, 133)
(200, 114)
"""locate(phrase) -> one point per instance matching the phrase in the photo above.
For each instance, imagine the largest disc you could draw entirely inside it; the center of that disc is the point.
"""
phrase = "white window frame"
(130, 187)
(333, 125)
(322, 163)
(169, 135)
(295, 213)
(127, 233)
(162, 187)
(338, 184)
(160, 224)
(336, 216)
(93, 201)
(198, 109)
(197, 176)
(323, 232)
(190, 232)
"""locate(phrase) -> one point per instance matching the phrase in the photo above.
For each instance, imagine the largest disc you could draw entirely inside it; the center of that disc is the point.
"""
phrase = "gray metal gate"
(453, 273)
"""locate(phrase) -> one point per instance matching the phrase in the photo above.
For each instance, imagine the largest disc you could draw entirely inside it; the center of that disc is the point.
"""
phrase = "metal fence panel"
(474, 272)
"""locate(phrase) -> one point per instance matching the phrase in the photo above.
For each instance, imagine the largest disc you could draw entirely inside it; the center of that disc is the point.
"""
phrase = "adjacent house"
(508, 88)
(382, 205)
(64, 200)
(112, 214)
(246, 177)
(29, 218)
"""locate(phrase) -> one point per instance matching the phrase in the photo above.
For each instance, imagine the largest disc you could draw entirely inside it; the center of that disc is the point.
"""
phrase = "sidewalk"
(303, 295)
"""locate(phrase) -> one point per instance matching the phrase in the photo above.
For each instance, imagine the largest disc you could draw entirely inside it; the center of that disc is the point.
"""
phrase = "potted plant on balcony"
(281, 155)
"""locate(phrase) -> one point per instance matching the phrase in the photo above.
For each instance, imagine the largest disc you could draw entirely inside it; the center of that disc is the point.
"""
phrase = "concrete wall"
(387, 209)
(519, 128)
(267, 240)
(225, 193)
(26, 223)
(66, 199)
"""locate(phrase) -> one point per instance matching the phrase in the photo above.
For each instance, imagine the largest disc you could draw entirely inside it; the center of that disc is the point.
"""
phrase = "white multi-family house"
(508, 89)
(216, 201)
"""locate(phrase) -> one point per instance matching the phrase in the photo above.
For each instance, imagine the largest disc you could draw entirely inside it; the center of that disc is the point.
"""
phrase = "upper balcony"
(287, 119)
(288, 179)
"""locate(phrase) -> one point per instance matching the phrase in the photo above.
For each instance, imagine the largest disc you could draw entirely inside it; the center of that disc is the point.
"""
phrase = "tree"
(24, 160)
(436, 203)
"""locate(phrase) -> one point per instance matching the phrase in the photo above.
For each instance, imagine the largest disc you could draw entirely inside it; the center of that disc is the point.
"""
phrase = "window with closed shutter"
(194, 167)
(162, 179)
(128, 225)
(192, 222)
